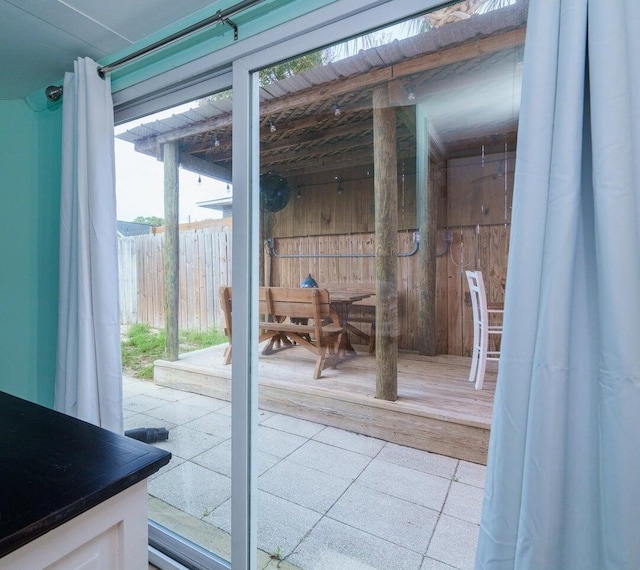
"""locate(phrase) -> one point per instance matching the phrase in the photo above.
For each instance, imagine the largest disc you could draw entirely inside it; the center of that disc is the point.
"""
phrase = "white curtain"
(89, 371)
(563, 488)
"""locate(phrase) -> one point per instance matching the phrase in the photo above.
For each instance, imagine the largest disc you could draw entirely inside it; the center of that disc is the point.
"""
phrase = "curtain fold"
(564, 456)
(89, 372)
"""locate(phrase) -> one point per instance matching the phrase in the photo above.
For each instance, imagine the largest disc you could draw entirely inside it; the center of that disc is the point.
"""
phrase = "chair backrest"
(478, 296)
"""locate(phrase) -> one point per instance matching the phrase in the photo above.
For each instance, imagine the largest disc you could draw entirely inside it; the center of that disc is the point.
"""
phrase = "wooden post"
(385, 166)
(427, 221)
(171, 245)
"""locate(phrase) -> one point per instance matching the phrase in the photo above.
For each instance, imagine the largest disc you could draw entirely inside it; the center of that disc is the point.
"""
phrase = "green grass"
(142, 345)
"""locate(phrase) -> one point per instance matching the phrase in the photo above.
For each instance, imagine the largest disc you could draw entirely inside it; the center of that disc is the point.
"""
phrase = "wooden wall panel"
(480, 189)
(320, 210)
(474, 203)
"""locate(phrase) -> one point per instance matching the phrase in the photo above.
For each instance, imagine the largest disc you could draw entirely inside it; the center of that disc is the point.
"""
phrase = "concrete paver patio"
(327, 498)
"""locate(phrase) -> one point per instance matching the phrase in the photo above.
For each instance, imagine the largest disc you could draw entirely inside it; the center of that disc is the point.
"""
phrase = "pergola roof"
(464, 73)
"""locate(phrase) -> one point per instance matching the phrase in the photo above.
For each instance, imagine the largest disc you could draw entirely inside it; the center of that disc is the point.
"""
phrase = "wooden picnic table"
(342, 302)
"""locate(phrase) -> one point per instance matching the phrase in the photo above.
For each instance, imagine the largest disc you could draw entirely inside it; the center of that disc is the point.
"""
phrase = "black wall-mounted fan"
(274, 192)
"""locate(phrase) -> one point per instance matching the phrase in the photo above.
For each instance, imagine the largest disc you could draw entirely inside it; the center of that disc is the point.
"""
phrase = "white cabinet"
(110, 536)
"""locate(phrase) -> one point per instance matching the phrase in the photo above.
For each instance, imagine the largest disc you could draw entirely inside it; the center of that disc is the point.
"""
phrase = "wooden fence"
(204, 263)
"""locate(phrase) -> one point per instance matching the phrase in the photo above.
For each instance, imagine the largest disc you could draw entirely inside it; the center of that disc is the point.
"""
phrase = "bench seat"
(291, 315)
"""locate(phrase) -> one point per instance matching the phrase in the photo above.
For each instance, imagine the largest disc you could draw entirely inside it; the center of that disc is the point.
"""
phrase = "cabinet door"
(111, 536)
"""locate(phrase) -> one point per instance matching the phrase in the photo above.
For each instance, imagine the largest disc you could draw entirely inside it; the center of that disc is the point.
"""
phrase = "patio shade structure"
(309, 137)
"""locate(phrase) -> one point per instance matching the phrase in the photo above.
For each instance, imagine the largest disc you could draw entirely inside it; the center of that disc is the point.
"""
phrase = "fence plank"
(205, 265)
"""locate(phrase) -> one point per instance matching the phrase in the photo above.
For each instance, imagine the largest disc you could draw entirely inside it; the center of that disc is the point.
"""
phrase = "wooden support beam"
(427, 220)
(199, 166)
(386, 229)
(407, 117)
(171, 248)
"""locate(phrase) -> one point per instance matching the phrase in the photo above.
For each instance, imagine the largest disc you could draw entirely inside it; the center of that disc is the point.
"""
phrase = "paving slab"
(350, 441)
(293, 425)
(405, 483)
(471, 474)
(142, 403)
(218, 459)
(304, 486)
(333, 545)
(176, 413)
(454, 542)
(281, 523)
(419, 460)
(330, 459)
(212, 423)
(396, 520)
(464, 502)
(192, 488)
(187, 443)
(278, 443)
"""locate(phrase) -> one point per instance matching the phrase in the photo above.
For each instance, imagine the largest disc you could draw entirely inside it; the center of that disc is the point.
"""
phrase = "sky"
(140, 182)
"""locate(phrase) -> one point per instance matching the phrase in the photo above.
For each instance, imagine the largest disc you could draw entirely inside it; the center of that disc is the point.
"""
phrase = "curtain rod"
(53, 93)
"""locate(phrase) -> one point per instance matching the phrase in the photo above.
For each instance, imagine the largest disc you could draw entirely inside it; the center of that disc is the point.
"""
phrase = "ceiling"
(40, 39)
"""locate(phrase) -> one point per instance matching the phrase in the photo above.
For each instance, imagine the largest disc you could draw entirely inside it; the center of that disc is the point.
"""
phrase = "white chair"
(481, 328)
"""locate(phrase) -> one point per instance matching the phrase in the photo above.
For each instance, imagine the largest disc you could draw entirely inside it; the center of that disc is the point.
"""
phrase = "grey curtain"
(89, 370)
(563, 477)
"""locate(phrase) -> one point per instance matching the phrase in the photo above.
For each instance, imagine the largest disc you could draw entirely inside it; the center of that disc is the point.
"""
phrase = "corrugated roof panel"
(276, 90)
(361, 63)
(324, 74)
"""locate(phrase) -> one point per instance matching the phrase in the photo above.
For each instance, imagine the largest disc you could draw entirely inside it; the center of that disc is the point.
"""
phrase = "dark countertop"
(54, 467)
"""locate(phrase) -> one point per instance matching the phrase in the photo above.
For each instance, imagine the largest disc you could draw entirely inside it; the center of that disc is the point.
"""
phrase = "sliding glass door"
(374, 166)
(384, 169)
(174, 203)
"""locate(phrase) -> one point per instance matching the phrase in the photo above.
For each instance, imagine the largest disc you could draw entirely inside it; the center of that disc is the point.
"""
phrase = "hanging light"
(272, 127)
(339, 181)
(337, 112)
(216, 142)
(298, 193)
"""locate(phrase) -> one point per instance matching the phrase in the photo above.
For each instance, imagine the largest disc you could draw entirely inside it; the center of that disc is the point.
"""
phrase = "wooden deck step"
(437, 409)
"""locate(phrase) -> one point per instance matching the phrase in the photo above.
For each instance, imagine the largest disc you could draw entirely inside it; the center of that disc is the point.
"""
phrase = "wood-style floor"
(437, 409)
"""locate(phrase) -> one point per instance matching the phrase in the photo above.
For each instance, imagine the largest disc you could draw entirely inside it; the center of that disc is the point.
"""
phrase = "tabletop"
(347, 296)
(55, 467)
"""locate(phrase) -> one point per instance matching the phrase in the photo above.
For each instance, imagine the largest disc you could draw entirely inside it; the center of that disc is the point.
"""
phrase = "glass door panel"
(177, 164)
(386, 170)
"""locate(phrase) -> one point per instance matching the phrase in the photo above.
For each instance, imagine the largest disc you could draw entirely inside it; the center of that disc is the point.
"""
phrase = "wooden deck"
(437, 409)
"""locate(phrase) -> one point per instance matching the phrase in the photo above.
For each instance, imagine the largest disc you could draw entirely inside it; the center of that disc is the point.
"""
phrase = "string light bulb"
(337, 112)
(272, 127)
(216, 142)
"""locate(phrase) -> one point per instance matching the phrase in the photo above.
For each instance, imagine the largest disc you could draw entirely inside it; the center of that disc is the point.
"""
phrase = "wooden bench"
(291, 315)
